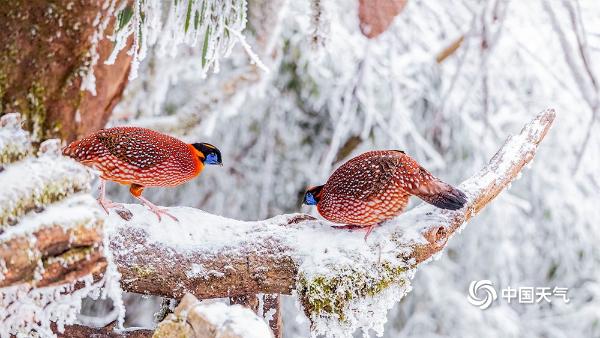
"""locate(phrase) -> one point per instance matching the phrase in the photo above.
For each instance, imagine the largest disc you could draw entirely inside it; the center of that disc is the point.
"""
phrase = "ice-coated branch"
(335, 273)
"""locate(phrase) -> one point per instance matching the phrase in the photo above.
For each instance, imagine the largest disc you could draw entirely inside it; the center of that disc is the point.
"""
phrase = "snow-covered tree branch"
(52, 244)
(335, 273)
(337, 276)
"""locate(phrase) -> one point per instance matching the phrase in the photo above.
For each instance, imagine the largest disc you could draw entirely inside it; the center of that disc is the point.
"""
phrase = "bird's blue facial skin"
(309, 199)
(212, 158)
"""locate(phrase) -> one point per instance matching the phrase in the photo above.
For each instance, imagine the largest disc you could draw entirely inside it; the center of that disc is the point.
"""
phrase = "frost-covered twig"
(188, 22)
(343, 282)
(582, 45)
(582, 77)
(253, 57)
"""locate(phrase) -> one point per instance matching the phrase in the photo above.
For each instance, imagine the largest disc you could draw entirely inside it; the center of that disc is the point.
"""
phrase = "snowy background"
(331, 93)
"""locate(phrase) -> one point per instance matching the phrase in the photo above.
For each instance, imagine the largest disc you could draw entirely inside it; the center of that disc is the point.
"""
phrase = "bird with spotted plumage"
(141, 158)
(375, 186)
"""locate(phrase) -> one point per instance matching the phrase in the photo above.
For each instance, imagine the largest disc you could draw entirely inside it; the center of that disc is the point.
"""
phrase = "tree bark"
(81, 331)
(272, 313)
(46, 49)
(66, 255)
(249, 301)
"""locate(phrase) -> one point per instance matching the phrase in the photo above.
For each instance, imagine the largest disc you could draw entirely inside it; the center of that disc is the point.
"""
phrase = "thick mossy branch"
(47, 234)
(330, 295)
(51, 191)
(52, 251)
(50, 177)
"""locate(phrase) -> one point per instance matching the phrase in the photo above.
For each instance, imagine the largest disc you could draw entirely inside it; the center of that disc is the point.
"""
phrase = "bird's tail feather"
(78, 150)
(442, 195)
(69, 150)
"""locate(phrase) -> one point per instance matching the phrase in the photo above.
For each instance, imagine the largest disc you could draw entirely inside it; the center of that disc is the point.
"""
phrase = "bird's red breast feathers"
(137, 155)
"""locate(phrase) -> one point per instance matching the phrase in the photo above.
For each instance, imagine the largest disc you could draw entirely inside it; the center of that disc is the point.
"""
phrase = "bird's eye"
(310, 199)
(211, 158)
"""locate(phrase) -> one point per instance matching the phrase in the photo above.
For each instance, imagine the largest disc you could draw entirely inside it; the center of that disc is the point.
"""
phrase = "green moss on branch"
(143, 272)
(12, 153)
(50, 192)
(330, 295)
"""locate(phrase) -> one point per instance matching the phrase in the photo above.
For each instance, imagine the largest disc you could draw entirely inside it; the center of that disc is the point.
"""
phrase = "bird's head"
(313, 195)
(208, 153)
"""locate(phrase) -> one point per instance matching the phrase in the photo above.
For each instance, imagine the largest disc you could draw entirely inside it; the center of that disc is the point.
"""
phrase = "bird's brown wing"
(366, 175)
(139, 147)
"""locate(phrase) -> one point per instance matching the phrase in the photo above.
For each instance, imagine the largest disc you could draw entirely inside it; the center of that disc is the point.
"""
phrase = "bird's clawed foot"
(369, 231)
(104, 202)
(352, 227)
(108, 204)
(160, 211)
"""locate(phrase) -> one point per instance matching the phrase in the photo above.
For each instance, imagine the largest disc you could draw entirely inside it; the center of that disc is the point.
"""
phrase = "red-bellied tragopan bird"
(141, 158)
(375, 186)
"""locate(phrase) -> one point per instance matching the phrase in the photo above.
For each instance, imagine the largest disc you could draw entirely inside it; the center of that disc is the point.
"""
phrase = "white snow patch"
(236, 318)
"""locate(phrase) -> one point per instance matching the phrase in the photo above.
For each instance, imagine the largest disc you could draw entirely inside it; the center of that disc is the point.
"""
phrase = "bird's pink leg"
(369, 230)
(155, 209)
(103, 201)
(352, 227)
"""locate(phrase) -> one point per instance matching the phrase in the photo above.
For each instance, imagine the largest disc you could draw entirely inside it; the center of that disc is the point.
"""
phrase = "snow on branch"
(343, 282)
(52, 245)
